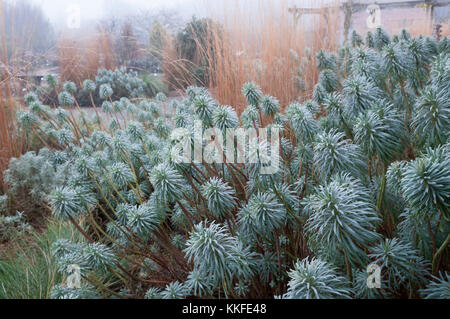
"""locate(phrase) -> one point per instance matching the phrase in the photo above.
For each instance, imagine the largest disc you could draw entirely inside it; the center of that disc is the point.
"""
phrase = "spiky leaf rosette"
(153, 293)
(39, 109)
(64, 292)
(89, 86)
(175, 290)
(413, 228)
(439, 288)
(270, 105)
(220, 196)
(252, 93)
(105, 91)
(161, 97)
(250, 117)
(333, 154)
(51, 80)
(325, 60)
(168, 184)
(356, 39)
(426, 184)
(312, 106)
(432, 117)
(376, 137)
(359, 93)
(66, 99)
(302, 122)
(400, 264)
(64, 136)
(261, 216)
(142, 220)
(217, 254)
(342, 218)
(267, 267)
(333, 104)
(362, 290)
(225, 117)
(99, 257)
(120, 174)
(394, 175)
(380, 38)
(70, 87)
(365, 62)
(329, 80)
(67, 202)
(396, 62)
(204, 107)
(316, 279)
(135, 130)
(319, 93)
(31, 97)
(370, 41)
(26, 120)
(198, 284)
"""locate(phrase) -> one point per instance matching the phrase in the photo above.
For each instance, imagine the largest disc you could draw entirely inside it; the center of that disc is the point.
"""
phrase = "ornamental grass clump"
(358, 187)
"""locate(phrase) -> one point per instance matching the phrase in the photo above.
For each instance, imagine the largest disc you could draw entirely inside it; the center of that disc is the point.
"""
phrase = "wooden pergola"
(352, 6)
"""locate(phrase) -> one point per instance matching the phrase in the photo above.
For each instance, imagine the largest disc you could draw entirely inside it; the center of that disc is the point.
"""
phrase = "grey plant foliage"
(51, 80)
(359, 93)
(70, 87)
(67, 202)
(167, 183)
(217, 254)
(249, 117)
(220, 197)
(105, 91)
(356, 40)
(153, 293)
(432, 117)
(343, 210)
(380, 38)
(89, 85)
(32, 177)
(400, 264)
(204, 107)
(333, 153)
(252, 93)
(174, 290)
(262, 216)
(425, 183)
(302, 121)
(325, 60)
(363, 178)
(89, 257)
(439, 288)
(316, 279)
(225, 117)
(64, 292)
(378, 138)
(329, 80)
(361, 289)
(270, 105)
(66, 99)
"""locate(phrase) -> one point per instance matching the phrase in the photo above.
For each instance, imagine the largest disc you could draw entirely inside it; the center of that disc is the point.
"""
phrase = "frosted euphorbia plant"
(361, 187)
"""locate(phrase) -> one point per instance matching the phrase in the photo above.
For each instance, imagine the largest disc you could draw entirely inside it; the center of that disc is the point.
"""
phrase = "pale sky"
(58, 11)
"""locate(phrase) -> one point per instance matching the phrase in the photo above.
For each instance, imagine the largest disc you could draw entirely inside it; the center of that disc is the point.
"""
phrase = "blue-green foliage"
(363, 178)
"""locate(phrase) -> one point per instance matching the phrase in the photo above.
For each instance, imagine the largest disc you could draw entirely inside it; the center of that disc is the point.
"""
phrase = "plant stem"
(439, 252)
